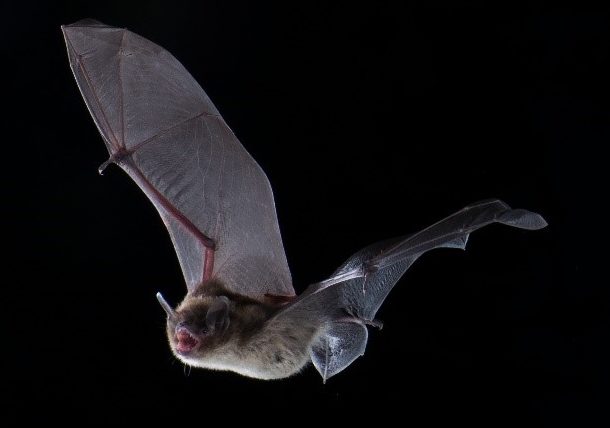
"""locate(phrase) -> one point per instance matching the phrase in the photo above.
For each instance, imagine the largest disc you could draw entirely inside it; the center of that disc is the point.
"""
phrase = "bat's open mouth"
(186, 341)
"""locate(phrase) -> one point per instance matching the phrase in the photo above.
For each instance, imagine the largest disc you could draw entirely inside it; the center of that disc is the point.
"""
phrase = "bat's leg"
(279, 300)
(373, 323)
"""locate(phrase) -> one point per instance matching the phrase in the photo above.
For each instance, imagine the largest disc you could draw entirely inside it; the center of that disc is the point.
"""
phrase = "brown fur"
(252, 345)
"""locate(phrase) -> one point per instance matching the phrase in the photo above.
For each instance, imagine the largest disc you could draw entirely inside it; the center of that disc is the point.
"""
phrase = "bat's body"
(240, 312)
(253, 344)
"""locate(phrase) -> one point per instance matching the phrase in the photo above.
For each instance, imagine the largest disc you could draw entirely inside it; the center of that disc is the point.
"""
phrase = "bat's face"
(198, 327)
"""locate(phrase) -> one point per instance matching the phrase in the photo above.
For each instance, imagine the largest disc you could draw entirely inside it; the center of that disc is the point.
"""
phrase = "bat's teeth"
(186, 341)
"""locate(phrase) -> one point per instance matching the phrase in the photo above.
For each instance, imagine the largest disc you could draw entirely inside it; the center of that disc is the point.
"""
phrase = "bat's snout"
(186, 341)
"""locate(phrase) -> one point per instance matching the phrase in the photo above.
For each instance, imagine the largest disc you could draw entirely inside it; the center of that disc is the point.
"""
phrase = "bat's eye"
(217, 319)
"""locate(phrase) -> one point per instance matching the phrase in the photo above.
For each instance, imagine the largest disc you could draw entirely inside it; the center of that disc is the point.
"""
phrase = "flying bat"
(240, 312)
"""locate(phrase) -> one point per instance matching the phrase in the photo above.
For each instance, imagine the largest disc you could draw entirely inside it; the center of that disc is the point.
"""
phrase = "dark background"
(370, 121)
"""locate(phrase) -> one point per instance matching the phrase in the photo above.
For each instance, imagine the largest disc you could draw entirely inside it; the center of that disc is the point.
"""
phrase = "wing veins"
(167, 205)
(164, 131)
(415, 235)
(113, 140)
(121, 89)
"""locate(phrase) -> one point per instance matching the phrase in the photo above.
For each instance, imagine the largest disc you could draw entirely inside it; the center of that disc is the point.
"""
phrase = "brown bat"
(240, 312)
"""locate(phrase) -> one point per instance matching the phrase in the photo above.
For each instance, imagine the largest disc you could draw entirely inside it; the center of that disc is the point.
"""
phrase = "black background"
(370, 121)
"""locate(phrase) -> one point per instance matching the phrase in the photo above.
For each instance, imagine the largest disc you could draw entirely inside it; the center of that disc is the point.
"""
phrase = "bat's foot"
(374, 323)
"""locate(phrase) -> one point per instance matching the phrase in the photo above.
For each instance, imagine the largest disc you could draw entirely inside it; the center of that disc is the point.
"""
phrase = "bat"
(240, 312)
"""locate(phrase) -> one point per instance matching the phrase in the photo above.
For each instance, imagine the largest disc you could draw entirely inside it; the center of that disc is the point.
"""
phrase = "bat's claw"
(374, 323)
(103, 166)
(116, 157)
(358, 320)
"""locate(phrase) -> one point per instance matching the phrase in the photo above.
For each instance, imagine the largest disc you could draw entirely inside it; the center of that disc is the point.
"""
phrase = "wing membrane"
(163, 130)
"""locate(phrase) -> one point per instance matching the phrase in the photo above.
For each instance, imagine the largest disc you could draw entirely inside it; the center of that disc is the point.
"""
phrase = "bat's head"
(198, 326)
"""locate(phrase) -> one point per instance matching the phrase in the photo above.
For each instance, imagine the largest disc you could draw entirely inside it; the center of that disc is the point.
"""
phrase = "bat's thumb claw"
(103, 166)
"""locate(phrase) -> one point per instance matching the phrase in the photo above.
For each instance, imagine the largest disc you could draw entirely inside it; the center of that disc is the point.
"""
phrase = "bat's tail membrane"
(338, 347)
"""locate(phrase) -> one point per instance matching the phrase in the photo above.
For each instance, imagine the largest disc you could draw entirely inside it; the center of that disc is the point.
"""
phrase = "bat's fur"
(253, 344)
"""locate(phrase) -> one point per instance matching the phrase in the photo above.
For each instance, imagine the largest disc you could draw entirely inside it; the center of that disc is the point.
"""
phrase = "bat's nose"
(186, 340)
(184, 327)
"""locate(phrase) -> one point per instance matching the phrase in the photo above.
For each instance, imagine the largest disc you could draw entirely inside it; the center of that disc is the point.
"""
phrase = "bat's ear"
(217, 318)
(171, 314)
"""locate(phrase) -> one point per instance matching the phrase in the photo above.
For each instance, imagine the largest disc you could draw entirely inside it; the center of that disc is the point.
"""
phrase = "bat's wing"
(163, 130)
(350, 298)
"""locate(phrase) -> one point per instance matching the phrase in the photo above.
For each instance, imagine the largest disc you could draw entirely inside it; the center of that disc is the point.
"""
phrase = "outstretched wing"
(350, 298)
(163, 130)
